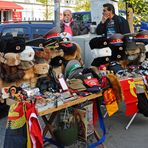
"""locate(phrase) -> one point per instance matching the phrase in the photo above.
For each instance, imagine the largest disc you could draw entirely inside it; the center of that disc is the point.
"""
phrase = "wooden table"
(49, 115)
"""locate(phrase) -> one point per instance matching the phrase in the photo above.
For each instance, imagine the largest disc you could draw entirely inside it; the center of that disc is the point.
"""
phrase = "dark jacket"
(121, 26)
(77, 29)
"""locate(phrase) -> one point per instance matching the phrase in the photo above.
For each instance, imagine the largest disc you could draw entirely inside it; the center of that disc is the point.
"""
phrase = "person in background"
(111, 23)
(71, 26)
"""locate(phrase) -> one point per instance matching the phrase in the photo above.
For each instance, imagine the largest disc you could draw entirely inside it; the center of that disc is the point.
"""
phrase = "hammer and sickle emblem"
(132, 86)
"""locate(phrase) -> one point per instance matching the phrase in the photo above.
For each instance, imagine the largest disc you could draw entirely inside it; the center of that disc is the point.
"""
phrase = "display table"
(49, 115)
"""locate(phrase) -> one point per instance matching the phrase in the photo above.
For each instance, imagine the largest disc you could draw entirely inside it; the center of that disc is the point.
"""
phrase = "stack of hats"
(135, 52)
(72, 51)
(100, 51)
(54, 32)
(27, 57)
(73, 69)
(116, 45)
(10, 49)
(142, 36)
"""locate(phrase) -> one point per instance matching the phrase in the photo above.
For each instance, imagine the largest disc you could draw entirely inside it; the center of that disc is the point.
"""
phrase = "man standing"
(111, 23)
(70, 26)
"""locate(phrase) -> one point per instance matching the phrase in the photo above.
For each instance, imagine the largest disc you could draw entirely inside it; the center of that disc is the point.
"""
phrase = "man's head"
(67, 16)
(108, 10)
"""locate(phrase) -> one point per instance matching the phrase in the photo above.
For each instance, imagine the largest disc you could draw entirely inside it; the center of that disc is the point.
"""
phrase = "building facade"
(24, 10)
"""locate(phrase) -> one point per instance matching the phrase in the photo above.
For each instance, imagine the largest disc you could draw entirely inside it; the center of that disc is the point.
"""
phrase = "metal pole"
(57, 13)
(46, 10)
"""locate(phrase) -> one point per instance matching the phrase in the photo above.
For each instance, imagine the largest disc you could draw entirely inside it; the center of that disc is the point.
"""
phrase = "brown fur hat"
(57, 64)
(45, 54)
(55, 53)
(29, 74)
(75, 54)
(10, 73)
(11, 59)
(26, 65)
(41, 68)
(116, 87)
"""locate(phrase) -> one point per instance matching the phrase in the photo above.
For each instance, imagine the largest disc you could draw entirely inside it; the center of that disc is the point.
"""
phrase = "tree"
(46, 4)
(139, 8)
(83, 5)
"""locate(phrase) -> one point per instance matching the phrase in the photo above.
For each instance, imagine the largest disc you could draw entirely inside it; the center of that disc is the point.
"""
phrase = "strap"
(51, 141)
(102, 126)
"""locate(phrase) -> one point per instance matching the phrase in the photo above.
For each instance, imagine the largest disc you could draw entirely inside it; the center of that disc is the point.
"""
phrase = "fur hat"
(118, 53)
(38, 42)
(103, 52)
(102, 60)
(11, 59)
(57, 65)
(98, 42)
(29, 74)
(57, 61)
(26, 65)
(146, 50)
(14, 45)
(46, 84)
(10, 73)
(27, 54)
(75, 55)
(45, 53)
(41, 68)
(68, 48)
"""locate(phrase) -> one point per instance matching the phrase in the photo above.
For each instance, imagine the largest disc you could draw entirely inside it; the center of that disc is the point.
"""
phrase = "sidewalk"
(117, 137)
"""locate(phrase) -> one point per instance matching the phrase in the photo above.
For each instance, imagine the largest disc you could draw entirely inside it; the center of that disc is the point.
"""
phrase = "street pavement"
(117, 137)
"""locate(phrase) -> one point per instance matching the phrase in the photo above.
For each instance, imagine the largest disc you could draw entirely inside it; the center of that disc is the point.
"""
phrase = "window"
(22, 32)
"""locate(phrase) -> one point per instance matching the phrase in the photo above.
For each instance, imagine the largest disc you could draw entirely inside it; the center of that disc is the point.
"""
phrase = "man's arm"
(100, 28)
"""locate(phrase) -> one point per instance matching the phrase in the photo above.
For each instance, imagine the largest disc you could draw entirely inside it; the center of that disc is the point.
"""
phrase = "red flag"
(130, 96)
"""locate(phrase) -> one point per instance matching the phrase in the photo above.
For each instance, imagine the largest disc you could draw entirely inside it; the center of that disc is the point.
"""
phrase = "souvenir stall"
(126, 56)
(46, 78)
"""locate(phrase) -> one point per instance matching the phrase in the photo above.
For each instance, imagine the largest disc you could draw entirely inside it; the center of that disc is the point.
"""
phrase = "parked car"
(28, 30)
(83, 17)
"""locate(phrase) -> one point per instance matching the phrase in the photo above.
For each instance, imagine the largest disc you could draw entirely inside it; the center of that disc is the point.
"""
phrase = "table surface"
(70, 103)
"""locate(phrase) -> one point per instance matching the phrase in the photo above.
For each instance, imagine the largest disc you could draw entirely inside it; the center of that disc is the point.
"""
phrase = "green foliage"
(43, 1)
(48, 13)
(140, 8)
(121, 5)
(82, 5)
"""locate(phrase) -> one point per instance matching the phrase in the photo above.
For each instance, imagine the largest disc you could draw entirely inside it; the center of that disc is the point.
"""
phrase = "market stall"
(47, 78)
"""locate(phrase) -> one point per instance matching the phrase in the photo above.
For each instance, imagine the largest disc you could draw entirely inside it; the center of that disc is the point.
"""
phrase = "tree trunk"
(130, 17)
